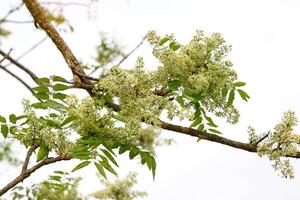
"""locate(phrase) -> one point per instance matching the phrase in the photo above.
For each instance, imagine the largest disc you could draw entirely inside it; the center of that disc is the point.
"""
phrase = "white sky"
(265, 39)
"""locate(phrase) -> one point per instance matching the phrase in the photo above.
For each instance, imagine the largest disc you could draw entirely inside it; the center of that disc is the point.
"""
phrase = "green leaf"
(42, 89)
(201, 127)
(210, 122)
(100, 169)
(43, 80)
(174, 46)
(243, 95)
(107, 166)
(53, 123)
(133, 152)
(53, 115)
(224, 92)
(55, 178)
(110, 157)
(179, 99)
(55, 105)
(13, 118)
(239, 84)
(60, 96)
(2, 119)
(231, 97)
(4, 130)
(41, 95)
(214, 131)
(197, 121)
(39, 105)
(124, 148)
(58, 78)
(68, 120)
(59, 87)
(81, 165)
(12, 130)
(174, 85)
(42, 153)
(163, 41)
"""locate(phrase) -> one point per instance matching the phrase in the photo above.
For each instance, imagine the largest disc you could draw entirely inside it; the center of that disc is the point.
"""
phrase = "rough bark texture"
(39, 15)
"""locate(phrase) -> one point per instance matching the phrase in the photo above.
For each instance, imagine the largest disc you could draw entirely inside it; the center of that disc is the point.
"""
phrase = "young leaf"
(124, 148)
(197, 121)
(60, 96)
(43, 80)
(110, 157)
(58, 78)
(13, 118)
(173, 85)
(55, 105)
(163, 41)
(2, 119)
(179, 99)
(201, 127)
(81, 165)
(42, 153)
(243, 95)
(231, 97)
(210, 122)
(39, 105)
(133, 152)
(100, 169)
(239, 84)
(214, 131)
(107, 166)
(41, 95)
(59, 87)
(68, 120)
(4, 130)
(41, 89)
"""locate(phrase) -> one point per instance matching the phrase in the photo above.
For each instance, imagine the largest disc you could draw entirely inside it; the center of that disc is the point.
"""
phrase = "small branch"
(26, 173)
(11, 11)
(22, 67)
(32, 48)
(64, 4)
(17, 77)
(132, 51)
(17, 22)
(38, 14)
(5, 57)
(263, 138)
(27, 158)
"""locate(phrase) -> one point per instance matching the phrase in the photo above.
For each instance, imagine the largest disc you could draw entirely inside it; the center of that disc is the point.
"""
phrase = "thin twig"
(32, 48)
(26, 173)
(132, 51)
(27, 158)
(22, 67)
(17, 77)
(17, 22)
(5, 57)
(64, 4)
(263, 138)
(11, 11)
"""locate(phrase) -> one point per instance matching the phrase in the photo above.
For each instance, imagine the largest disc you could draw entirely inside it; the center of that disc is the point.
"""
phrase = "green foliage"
(119, 190)
(59, 186)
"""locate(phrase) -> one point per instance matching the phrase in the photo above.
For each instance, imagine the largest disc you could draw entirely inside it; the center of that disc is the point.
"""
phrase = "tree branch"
(17, 77)
(132, 51)
(27, 158)
(22, 67)
(26, 173)
(38, 14)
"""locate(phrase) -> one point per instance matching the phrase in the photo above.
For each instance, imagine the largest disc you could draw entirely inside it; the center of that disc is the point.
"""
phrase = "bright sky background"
(265, 39)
